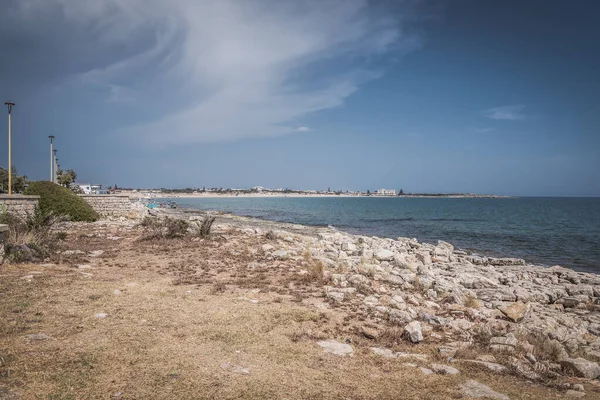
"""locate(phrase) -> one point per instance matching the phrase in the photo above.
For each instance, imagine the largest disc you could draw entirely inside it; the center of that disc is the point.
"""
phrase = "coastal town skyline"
(444, 96)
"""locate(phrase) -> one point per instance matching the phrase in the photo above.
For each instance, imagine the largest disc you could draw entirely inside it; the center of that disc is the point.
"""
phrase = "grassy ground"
(180, 325)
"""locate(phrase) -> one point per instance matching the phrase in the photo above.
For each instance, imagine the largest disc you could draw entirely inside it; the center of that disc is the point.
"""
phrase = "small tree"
(18, 182)
(401, 192)
(66, 178)
(368, 192)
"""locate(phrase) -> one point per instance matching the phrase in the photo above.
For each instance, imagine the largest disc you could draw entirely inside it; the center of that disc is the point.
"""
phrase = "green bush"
(61, 201)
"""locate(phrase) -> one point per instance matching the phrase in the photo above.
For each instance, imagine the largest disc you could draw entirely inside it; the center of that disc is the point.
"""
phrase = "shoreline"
(263, 224)
(147, 195)
(251, 220)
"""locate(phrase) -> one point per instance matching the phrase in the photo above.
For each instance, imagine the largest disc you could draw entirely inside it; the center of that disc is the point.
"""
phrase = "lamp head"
(9, 105)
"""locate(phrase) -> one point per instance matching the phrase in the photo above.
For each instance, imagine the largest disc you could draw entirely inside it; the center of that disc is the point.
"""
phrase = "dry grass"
(218, 287)
(203, 229)
(314, 268)
(165, 341)
(163, 228)
(472, 302)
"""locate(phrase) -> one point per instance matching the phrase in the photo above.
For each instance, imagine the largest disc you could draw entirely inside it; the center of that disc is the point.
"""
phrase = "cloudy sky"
(429, 96)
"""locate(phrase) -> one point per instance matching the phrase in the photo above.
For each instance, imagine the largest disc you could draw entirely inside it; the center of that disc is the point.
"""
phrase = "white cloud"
(509, 113)
(215, 70)
(303, 129)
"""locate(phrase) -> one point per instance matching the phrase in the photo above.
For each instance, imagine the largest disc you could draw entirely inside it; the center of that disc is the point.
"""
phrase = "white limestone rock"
(384, 255)
(336, 348)
(476, 390)
(581, 367)
(412, 332)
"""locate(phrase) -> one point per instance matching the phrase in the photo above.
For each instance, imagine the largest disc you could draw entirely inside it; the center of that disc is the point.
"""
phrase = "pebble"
(386, 353)
(236, 369)
(444, 369)
(253, 301)
(38, 336)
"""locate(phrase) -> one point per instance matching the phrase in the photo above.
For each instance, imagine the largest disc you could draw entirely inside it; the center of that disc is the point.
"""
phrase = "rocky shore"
(259, 306)
(536, 322)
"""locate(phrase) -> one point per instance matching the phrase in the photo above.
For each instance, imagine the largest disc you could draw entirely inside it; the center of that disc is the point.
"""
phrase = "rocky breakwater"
(495, 313)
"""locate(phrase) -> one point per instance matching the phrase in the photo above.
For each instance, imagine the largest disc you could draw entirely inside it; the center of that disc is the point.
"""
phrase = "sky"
(475, 96)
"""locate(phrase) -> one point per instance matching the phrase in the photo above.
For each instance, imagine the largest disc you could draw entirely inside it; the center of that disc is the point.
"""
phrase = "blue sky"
(429, 96)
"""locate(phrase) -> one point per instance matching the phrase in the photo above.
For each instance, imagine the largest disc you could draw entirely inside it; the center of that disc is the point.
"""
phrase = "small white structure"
(96, 189)
(86, 187)
(385, 192)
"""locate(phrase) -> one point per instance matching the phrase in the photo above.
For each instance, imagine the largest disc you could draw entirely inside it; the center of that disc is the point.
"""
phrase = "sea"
(543, 231)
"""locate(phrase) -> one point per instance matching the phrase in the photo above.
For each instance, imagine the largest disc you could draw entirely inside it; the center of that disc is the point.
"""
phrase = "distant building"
(86, 187)
(258, 189)
(97, 189)
(385, 192)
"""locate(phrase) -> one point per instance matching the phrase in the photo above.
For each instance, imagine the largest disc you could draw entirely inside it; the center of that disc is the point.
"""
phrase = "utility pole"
(10, 106)
(51, 160)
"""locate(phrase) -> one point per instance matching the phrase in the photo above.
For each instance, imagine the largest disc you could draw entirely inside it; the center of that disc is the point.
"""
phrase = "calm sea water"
(546, 231)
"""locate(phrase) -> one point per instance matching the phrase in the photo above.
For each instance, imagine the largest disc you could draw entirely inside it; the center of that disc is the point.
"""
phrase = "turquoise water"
(546, 231)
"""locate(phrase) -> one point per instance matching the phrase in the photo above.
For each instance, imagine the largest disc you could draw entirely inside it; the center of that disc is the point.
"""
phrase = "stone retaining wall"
(18, 204)
(108, 204)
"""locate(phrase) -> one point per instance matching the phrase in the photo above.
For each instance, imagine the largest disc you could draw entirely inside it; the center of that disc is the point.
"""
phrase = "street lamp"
(55, 159)
(10, 106)
(51, 160)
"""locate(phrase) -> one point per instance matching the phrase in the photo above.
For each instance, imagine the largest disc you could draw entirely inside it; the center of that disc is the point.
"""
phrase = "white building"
(385, 192)
(86, 187)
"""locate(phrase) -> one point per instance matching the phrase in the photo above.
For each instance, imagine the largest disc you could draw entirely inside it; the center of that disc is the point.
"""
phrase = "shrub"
(167, 228)
(203, 229)
(61, 201)
(29, 238)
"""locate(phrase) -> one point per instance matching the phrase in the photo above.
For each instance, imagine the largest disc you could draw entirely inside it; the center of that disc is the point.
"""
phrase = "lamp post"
(55, 169)
(51, 159)
(10, 106)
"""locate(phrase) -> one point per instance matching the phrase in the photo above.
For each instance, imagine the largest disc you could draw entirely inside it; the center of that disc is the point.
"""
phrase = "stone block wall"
(109, 204)
(18, 204)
